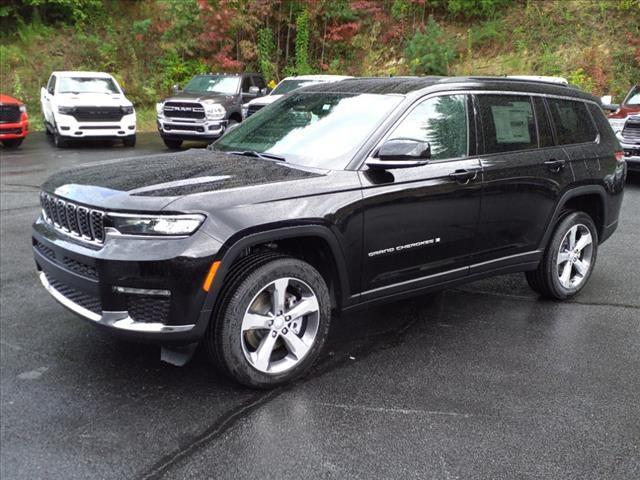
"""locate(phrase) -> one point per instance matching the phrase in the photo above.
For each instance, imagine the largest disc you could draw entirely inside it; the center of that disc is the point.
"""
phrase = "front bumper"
(631, 154)
(68, 126)
(10, 131)
(180, 129)
(143, 289)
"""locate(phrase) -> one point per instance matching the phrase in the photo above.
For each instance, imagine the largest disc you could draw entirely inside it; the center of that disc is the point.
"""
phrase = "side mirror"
(401, 153)
(606, 100)
(175, 88)
(253, 92)
(607, 105)
(264, 91)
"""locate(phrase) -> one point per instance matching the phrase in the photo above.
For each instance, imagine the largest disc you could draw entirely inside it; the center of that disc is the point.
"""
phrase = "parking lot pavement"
(483, 381)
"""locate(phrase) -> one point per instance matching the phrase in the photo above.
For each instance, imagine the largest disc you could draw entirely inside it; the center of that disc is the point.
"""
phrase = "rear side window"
(544, 124)
(508, 123)
(441, 121)
(572, 121)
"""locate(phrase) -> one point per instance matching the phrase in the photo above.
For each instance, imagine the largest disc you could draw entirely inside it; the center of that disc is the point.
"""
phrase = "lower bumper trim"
(116, 320)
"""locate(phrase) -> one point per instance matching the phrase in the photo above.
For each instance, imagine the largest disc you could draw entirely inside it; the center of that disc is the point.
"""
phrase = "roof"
(407, 85)
(81, 74)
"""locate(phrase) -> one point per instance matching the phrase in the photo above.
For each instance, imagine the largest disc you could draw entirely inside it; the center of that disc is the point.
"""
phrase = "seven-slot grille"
(9, 113)
(85, 223)
(97, 114)
(631, 130)
(251, 109)
(183, 110)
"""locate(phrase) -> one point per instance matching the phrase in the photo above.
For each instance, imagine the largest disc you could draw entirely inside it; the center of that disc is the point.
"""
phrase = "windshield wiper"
(253, 153)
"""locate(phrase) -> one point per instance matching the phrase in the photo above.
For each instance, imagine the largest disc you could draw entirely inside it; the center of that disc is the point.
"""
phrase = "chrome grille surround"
(83, 223)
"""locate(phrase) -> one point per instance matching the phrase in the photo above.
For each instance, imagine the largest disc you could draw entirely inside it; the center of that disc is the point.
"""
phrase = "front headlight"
(159, 108)
(617, 124)
(66, 110)
(245, 110)
(127, 109)
(155, 224)
(213, 110)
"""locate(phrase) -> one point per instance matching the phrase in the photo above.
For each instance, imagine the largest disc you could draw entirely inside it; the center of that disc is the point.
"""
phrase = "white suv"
(87, 105)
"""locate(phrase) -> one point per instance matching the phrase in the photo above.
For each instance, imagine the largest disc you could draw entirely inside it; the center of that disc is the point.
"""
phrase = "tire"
(129, 141)
(172, 144)
(12, 143)
(246, 321)
(59, 141)
(565, 270)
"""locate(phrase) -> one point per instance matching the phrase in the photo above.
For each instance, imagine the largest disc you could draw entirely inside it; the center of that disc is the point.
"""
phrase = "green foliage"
(430, 52)
(266, 50)
(477, 8)
(302, 43)
(579, 78)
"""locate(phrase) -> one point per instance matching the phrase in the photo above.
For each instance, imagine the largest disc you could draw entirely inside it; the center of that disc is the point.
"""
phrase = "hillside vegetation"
(150, 45)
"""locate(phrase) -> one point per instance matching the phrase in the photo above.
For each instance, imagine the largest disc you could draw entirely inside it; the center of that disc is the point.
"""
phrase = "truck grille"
(631, 130)
(251, 109)
(9, 113)
(82, 222)
(97, 114)
(183, 110)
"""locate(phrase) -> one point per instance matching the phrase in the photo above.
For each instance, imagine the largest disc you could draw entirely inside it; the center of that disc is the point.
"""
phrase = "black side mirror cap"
(401, 153)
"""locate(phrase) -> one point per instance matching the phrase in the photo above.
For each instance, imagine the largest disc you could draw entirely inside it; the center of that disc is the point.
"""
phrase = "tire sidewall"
(229, 336)
(570, 220)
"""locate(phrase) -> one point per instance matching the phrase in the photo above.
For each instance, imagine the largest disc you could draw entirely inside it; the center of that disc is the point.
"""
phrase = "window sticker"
(512, 122)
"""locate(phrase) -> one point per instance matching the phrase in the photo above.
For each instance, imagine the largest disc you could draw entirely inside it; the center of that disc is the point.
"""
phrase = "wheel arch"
(591, 199)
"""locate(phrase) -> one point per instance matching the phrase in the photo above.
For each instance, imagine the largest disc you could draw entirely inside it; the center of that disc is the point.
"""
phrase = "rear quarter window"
(508, 123)
(572, 121)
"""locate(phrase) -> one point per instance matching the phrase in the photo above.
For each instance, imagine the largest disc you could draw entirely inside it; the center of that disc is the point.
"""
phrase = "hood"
(92, 99)
(152, 182)
(625, 110)
(7, 100)
(266, 100)
(200, 96)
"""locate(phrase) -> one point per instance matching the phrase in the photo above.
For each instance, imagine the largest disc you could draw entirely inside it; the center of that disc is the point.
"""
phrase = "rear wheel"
(569, 258)
(272, 321)
(12, 143)
(172, 144)
(129, 141)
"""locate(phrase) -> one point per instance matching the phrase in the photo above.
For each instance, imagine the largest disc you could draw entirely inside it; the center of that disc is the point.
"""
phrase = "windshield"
(87, 85)
(633, 98)
(213, 83)
(287, 86)
(321, 130)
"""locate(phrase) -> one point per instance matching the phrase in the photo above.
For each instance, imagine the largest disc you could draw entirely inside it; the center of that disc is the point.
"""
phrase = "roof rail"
(540, 78)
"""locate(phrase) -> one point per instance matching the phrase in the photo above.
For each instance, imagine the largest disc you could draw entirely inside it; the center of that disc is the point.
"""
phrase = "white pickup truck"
(87, 105)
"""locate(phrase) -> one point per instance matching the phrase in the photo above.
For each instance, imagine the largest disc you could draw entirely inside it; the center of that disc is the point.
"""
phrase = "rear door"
(420, 222)
(524, 175)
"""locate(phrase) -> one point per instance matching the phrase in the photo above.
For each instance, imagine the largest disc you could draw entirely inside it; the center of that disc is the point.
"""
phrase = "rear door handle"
(555, 165)
(464, 175)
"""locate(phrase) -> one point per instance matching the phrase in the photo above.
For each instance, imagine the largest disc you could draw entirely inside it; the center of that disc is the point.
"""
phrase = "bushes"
(430, 52)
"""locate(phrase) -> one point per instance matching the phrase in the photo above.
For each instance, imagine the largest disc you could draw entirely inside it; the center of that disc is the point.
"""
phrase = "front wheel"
(272, 321)
(129, 141)
(12, 143)
(568, 260)
(59, 141)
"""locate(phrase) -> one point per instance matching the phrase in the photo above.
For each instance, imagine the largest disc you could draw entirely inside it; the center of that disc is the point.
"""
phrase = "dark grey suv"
(206, 106)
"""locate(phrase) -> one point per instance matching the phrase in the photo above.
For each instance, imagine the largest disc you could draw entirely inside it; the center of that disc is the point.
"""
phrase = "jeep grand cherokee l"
(206, 107)
(337, 197)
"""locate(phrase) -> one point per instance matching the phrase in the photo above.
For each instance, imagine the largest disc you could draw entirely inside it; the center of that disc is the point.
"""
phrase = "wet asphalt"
(482, 381)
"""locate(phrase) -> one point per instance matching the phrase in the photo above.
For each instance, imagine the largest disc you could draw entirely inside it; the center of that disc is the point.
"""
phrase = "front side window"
(441, 121)
(87, 85)
(572, 121)
(322, 130)
(213, 84)
(246, 84)
(508, 123)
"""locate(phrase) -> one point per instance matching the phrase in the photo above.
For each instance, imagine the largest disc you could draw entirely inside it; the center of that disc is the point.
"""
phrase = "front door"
(420, 222)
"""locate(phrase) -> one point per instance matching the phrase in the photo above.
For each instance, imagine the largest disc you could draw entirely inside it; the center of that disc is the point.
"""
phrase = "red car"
(625, 121)
(14, 122)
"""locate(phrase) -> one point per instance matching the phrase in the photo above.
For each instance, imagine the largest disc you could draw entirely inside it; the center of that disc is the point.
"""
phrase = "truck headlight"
(159, 108)
(127, 109)
(131, 224)
(66, 110)
(213, 110)
(617, 124)
(245, 110)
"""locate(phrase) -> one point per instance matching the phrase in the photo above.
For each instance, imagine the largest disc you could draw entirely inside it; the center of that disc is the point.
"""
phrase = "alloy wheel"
(575, 256)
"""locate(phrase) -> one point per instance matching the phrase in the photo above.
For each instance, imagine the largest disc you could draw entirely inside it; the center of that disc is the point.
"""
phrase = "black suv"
(337, 197)
(206, 107)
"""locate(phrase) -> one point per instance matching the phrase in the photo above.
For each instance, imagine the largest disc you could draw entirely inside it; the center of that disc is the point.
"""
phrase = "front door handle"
(464, 175)
(555, 165)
